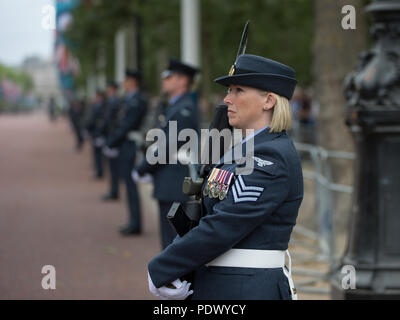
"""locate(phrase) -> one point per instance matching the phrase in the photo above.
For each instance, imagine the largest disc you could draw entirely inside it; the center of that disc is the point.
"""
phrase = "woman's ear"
(270, 101)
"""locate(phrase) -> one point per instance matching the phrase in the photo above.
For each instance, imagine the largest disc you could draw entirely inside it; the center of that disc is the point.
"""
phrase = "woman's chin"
(233, 123)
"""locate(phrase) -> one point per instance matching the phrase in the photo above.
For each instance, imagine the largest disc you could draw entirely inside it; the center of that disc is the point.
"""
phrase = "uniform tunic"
(258, 212)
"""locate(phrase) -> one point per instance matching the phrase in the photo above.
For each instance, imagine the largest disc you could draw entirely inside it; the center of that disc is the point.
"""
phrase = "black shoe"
(129, 230)
(110, 197)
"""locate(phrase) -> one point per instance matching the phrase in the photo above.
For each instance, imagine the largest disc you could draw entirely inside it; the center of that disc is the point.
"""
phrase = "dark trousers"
(168, 233)
(113, 164)
(126, 166)
(78, 134)
(98, 161)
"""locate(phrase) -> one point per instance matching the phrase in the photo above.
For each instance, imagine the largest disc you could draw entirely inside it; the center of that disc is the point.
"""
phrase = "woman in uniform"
(238, 250)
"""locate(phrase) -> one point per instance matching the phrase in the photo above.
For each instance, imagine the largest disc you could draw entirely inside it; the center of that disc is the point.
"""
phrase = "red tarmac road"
(51, 214)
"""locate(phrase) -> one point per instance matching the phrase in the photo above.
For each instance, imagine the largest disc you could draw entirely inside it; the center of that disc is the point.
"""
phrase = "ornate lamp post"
(373, 97)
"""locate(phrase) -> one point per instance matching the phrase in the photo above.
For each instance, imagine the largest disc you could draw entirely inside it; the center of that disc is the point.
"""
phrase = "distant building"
(45, 79)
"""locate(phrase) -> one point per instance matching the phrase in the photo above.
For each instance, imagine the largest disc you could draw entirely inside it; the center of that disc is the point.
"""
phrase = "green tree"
(279, 29)
(20, 78)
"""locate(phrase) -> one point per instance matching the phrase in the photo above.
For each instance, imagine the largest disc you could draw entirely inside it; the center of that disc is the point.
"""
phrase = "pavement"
(51, 214)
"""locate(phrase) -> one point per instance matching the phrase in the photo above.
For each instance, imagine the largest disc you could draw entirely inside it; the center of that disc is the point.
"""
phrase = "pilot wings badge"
(262, 163)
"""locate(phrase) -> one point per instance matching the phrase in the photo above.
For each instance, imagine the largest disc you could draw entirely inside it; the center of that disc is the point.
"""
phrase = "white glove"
(99, 142)
(110, 153)
(180, 293)
(152, 287)
(147, 178)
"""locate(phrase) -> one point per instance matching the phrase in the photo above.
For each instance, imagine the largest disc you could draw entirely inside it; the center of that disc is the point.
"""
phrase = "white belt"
(252, 258)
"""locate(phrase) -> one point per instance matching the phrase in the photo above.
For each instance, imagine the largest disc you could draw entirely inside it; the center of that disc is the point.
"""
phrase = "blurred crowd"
(115, 123)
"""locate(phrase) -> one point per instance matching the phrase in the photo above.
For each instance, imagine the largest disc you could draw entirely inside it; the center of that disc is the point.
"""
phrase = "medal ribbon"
(228, 178)
(222, 179)
(214, 172)
(219, 175)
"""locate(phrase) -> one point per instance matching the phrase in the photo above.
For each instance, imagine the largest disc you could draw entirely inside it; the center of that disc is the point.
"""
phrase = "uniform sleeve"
(250, 200)
(131, 121)
(107, 120)
(90, 124)
(110, 115)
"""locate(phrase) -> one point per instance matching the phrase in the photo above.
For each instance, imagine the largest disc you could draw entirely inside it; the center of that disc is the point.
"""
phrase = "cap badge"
(232, 71)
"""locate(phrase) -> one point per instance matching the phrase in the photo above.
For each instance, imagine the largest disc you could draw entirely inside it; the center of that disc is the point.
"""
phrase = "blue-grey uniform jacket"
(96, 118)
(258, 212)
(130, 118)
(168, 178)
(111, 116)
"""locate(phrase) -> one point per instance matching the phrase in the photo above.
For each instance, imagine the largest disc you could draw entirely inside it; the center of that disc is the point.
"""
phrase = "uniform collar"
(254, 134)
(174, 99)
(259, 137)
(265, 135)
(131, 94)
(112, 98)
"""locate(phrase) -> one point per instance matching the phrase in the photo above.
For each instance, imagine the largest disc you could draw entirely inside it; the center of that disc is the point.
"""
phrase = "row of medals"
(217, 189)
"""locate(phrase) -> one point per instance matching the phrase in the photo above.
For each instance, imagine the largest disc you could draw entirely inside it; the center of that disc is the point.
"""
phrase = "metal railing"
(322, 241)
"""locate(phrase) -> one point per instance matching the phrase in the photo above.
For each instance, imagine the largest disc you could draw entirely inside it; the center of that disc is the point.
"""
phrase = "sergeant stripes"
(242, 193)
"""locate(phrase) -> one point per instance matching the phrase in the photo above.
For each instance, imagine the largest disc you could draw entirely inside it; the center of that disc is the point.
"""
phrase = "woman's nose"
(227, 99)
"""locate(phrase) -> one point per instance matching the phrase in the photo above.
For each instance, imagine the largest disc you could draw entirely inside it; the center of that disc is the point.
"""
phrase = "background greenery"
(21, 79)
(18, 78)
(279, 29)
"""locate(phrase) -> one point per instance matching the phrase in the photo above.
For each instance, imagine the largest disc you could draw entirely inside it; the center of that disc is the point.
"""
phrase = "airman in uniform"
(181, 108)
(122, 140)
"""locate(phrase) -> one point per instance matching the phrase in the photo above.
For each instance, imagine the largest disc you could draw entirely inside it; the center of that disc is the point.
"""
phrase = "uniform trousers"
(126, 166)
(113, 164)
(98, 161)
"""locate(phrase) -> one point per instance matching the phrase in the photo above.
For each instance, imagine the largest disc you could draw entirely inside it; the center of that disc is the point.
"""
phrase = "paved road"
(51, 214)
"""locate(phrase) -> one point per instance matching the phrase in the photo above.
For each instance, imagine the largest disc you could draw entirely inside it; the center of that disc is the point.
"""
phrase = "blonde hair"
(281, 115)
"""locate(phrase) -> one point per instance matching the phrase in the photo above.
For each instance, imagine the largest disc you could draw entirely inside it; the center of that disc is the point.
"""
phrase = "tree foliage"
(20, 78)
(279, 29)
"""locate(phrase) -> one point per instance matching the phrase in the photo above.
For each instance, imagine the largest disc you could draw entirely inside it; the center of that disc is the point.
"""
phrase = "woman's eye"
(235, 90)
(238, 90)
